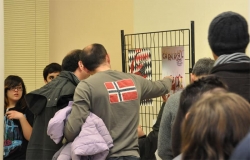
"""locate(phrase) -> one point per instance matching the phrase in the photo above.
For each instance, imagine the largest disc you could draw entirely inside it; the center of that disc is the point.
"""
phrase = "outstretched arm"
(152, 89)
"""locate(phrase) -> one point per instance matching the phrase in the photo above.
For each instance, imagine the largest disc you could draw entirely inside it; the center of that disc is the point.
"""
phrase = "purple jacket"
(56, 124)
(94, 139)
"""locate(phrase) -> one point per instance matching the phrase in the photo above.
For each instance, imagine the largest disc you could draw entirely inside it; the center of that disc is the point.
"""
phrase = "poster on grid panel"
(173, 65)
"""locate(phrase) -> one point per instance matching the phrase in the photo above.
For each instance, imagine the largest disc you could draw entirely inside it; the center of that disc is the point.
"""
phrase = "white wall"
(75, 24)
(161, 15)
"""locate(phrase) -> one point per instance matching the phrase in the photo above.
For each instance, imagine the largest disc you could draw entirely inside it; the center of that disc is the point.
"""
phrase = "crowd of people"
(86, 110)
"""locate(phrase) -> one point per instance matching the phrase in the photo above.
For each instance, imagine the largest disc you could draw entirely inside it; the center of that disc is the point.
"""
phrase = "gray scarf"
(232, 58)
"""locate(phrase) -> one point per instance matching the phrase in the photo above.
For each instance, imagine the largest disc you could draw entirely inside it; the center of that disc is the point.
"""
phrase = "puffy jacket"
(94, 139)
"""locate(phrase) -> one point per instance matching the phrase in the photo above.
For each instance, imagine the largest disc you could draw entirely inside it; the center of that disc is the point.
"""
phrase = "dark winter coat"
(44, 103)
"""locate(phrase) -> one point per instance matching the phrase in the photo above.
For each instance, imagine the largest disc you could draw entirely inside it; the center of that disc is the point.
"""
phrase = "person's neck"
(215, 56)
(12, 104)
(101, 69)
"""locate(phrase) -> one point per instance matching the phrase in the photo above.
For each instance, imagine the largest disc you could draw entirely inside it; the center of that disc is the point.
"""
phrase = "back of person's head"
(93, 56)
(51, 68)
(190, 94)
(193, 91)
(70, 61)
(202, 67)
(10, 83)
(228, 33)
(214, 126)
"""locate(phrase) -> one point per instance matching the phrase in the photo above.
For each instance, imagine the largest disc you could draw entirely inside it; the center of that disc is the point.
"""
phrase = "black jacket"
(236, 76)
(44, 103)
(148, 144)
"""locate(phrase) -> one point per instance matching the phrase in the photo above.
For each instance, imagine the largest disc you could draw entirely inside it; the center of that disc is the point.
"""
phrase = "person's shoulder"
(66, 76)
(233, 67)
(173, 102)
(123, 73)
(117, 74)
(242, 149)
(16, 108)
(175, 97)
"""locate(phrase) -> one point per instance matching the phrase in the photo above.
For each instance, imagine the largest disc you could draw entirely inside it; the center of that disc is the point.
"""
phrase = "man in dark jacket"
(47, 100)
(148, 143)
(228, 38)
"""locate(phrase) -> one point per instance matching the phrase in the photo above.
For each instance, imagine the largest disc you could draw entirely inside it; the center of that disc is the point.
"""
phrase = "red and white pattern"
(121, 91)
(140, 63)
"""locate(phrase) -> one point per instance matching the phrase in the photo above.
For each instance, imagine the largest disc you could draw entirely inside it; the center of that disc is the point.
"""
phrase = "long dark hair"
(10, 82)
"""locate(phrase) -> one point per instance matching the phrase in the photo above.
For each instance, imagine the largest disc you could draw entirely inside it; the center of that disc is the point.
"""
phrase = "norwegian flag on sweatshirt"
(121, 91)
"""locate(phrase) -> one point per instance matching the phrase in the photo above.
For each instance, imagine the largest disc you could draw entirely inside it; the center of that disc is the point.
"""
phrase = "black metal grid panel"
(155, 41)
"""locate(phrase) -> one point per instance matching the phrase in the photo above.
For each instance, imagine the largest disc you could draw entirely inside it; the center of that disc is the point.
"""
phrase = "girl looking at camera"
(18, 119)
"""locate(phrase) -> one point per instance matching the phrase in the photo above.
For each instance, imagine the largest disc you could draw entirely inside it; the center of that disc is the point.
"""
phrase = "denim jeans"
(125, 158)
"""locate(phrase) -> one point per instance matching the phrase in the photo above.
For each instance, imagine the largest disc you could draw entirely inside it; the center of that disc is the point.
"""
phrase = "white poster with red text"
(173, 65)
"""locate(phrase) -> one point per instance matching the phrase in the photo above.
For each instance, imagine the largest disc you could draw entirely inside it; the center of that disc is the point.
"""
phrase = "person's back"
(121, 108)
(164, 138)
(228, 39)
(236, 76)
(46, 101)
(115, 98)
(201, 68)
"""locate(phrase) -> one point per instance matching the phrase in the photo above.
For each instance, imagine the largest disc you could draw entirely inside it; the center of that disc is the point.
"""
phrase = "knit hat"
(228, 33)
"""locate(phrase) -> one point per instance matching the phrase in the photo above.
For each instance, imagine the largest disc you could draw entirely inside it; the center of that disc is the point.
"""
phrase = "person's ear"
(107, 58)
(82, 68)
(45, 82)
(80, 65)
(192, 77)
(186, 116)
